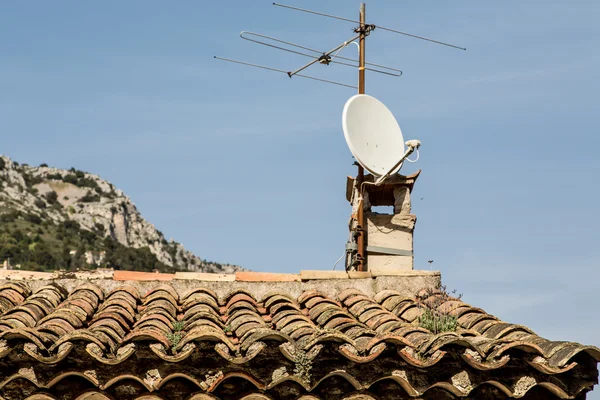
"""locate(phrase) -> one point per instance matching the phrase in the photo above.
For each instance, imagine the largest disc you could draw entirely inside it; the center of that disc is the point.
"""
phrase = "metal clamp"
(366, 29)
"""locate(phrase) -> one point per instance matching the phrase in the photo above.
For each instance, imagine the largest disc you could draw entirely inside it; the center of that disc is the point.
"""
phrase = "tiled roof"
(123, 340)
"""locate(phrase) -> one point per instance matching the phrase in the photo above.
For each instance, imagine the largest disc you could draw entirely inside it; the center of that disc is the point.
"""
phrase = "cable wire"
(378, 27)
(416, 159)
(339, 259)
(347, 241)
(338, 52)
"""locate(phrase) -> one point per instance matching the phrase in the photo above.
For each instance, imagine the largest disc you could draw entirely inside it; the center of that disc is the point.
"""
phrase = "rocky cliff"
(55, 199)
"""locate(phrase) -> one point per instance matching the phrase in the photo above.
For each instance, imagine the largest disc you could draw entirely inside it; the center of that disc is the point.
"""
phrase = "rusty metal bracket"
(366, 29)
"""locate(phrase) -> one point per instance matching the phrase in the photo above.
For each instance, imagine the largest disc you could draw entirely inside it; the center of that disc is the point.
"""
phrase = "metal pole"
(361, 57)
(360, 178)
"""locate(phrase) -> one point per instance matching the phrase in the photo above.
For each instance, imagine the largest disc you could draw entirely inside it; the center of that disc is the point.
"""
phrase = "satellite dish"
(373, 135)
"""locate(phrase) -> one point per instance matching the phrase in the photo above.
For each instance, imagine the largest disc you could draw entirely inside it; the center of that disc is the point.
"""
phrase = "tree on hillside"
(65, 258)
(51, 197)
(79, 258)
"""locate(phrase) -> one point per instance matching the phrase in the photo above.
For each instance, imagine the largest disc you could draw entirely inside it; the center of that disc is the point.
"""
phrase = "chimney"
(388, 236)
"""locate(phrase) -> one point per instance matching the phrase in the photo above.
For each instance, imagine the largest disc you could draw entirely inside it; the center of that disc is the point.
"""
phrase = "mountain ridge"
(97, 224)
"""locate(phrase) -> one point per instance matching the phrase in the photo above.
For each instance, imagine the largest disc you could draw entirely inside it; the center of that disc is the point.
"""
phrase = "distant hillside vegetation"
(69, 219)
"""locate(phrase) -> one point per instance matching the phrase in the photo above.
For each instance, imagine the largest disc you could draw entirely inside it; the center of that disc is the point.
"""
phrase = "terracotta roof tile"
(203, 276)
(248, 276)
(306, 275)
(160, 341)
(141, 276)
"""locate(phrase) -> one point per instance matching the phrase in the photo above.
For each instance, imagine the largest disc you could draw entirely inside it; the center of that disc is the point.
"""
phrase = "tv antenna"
(354, 131)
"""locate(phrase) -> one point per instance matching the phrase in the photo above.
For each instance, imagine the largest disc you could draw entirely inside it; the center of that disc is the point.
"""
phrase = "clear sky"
(249, 167)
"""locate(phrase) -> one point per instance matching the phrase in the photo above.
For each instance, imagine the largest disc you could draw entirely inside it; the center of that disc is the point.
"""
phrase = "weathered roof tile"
(162, 325)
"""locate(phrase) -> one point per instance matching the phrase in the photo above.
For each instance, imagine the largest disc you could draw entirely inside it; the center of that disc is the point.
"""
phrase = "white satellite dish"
(372, 133)
(374, 136)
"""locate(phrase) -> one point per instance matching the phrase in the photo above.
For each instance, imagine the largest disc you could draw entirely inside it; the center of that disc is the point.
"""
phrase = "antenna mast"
(360, 217)
(358, 227)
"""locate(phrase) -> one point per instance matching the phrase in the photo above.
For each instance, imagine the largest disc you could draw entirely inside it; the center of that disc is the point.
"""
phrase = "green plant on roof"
(437, 323)
(176, 336)
(178, 326)
(174, 340)
(436, 317)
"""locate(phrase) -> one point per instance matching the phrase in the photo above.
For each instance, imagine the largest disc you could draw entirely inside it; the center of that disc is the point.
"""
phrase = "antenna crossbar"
(285, 72)
(317, 13)
(378, 27)
(246, 36)
(326, 54)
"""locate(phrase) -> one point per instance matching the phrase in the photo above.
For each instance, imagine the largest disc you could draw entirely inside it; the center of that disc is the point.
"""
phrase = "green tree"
(89, 198)
(79, 257)
(42, 255)
(34, 219)
(65, 258)
(70, 179)
(39, 203)
(51, 197)
(71, 225)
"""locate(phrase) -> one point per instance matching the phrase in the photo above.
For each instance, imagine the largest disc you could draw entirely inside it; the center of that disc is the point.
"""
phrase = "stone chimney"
(388, 236)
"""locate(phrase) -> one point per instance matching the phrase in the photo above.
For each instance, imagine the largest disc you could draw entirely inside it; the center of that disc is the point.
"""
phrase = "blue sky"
(247, 166)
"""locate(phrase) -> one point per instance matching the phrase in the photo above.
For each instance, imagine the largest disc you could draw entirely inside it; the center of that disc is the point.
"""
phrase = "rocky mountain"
(52, 218)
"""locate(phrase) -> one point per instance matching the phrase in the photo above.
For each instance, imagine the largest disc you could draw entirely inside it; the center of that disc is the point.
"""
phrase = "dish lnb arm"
(411, 145)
